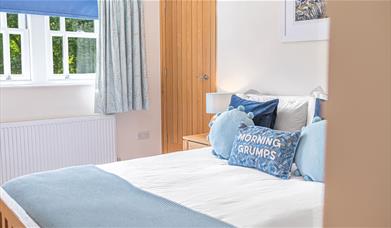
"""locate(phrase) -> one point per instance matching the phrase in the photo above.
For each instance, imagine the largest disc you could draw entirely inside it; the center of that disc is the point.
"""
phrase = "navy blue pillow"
(265, 113)
(318, 108)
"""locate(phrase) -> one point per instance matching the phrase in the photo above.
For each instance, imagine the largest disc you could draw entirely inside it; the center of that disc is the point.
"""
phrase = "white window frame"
(23, 31)
(37, 56)
(65, 35)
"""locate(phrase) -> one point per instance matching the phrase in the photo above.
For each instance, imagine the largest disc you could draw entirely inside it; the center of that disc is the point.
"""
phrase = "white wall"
(130, 124)
(45, 102)
(250, 54)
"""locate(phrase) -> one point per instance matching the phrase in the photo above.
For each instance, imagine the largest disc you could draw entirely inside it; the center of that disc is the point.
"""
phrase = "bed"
(197, 180)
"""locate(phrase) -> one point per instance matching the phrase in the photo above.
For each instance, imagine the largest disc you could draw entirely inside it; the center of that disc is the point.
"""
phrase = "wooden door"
(188, 65)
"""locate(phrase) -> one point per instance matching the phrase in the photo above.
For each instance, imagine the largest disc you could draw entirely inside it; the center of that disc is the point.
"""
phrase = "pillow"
(224, 128)
(318, 108)
(265, 149)
(292, 111)
(311, 150)
(265, 113)
(292, 116)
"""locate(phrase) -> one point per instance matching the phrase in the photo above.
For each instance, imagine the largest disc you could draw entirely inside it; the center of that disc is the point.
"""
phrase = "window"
(43, 49)
(14, 47)
(72, 47)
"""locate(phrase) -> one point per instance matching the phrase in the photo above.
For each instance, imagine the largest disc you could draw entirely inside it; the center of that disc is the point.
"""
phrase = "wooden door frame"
(163, 64)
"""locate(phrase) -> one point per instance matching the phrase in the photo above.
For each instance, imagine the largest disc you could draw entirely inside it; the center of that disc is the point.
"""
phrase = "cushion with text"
(267, 150)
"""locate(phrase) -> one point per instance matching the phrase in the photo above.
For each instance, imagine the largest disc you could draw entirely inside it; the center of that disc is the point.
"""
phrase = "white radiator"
(27, 147)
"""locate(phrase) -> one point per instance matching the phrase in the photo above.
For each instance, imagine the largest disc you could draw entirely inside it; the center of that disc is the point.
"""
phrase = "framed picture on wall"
(305, 20)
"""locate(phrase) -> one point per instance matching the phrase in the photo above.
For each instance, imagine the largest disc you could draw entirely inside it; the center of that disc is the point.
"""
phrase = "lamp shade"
(217, 102)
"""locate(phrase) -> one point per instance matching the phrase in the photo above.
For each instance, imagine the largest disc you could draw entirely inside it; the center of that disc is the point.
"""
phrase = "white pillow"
(292, 111)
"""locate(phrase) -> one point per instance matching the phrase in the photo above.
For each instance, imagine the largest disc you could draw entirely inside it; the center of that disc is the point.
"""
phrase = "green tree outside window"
(12, 20)
(16, 53)
(81, 51)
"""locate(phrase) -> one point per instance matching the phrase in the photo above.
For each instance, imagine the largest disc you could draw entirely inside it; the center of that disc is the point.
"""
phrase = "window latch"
(67, 76)
(8, 78)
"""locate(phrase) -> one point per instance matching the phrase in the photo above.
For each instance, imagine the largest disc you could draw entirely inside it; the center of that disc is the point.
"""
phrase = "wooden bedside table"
(195, 141)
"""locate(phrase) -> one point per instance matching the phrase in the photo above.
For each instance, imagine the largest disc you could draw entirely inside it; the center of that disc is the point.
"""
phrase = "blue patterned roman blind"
(83, 9)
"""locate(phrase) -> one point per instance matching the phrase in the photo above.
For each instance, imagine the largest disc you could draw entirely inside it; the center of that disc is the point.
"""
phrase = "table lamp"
(217, 102)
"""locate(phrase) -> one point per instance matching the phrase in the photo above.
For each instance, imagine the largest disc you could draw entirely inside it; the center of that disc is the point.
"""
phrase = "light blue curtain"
(121, 73)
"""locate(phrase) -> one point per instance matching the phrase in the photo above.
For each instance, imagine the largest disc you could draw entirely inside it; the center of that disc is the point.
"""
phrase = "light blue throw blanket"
(87, 196)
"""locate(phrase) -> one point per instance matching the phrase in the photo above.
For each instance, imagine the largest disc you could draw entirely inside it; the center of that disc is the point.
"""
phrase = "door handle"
(204, 77)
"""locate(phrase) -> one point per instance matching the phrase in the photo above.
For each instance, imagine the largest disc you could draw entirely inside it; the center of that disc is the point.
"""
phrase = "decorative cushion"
(292, 111)
(318, 108)
(265, 149)
(311, 151)
(224, 128)
(265, 113)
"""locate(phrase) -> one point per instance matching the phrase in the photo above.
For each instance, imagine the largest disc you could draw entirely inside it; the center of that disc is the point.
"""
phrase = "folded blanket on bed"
(87, 196)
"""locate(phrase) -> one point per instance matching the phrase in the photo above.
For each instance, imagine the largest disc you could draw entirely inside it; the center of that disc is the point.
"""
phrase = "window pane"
(12, 20)
(77, 25)
(55, 23)
(1, 55)
(57, 55)
(16, 54)
(82, 55)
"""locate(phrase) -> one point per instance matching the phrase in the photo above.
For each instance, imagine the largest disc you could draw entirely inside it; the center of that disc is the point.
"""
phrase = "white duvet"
(239, 196)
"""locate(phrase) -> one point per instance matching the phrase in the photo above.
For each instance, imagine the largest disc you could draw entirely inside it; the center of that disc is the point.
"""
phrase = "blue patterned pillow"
(267, 150)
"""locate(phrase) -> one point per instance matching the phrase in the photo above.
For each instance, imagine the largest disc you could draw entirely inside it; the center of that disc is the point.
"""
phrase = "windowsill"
(24, 84)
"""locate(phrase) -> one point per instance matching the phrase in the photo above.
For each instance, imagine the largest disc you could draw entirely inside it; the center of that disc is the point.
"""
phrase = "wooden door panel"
(187, 52)
(206, 61)
(187, 113)
(197, 65)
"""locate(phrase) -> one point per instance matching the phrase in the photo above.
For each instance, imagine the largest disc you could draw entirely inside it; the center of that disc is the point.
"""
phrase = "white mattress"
(239, 196)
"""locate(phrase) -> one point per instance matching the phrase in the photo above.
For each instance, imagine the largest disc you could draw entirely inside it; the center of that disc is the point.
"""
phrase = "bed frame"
(8, 218)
